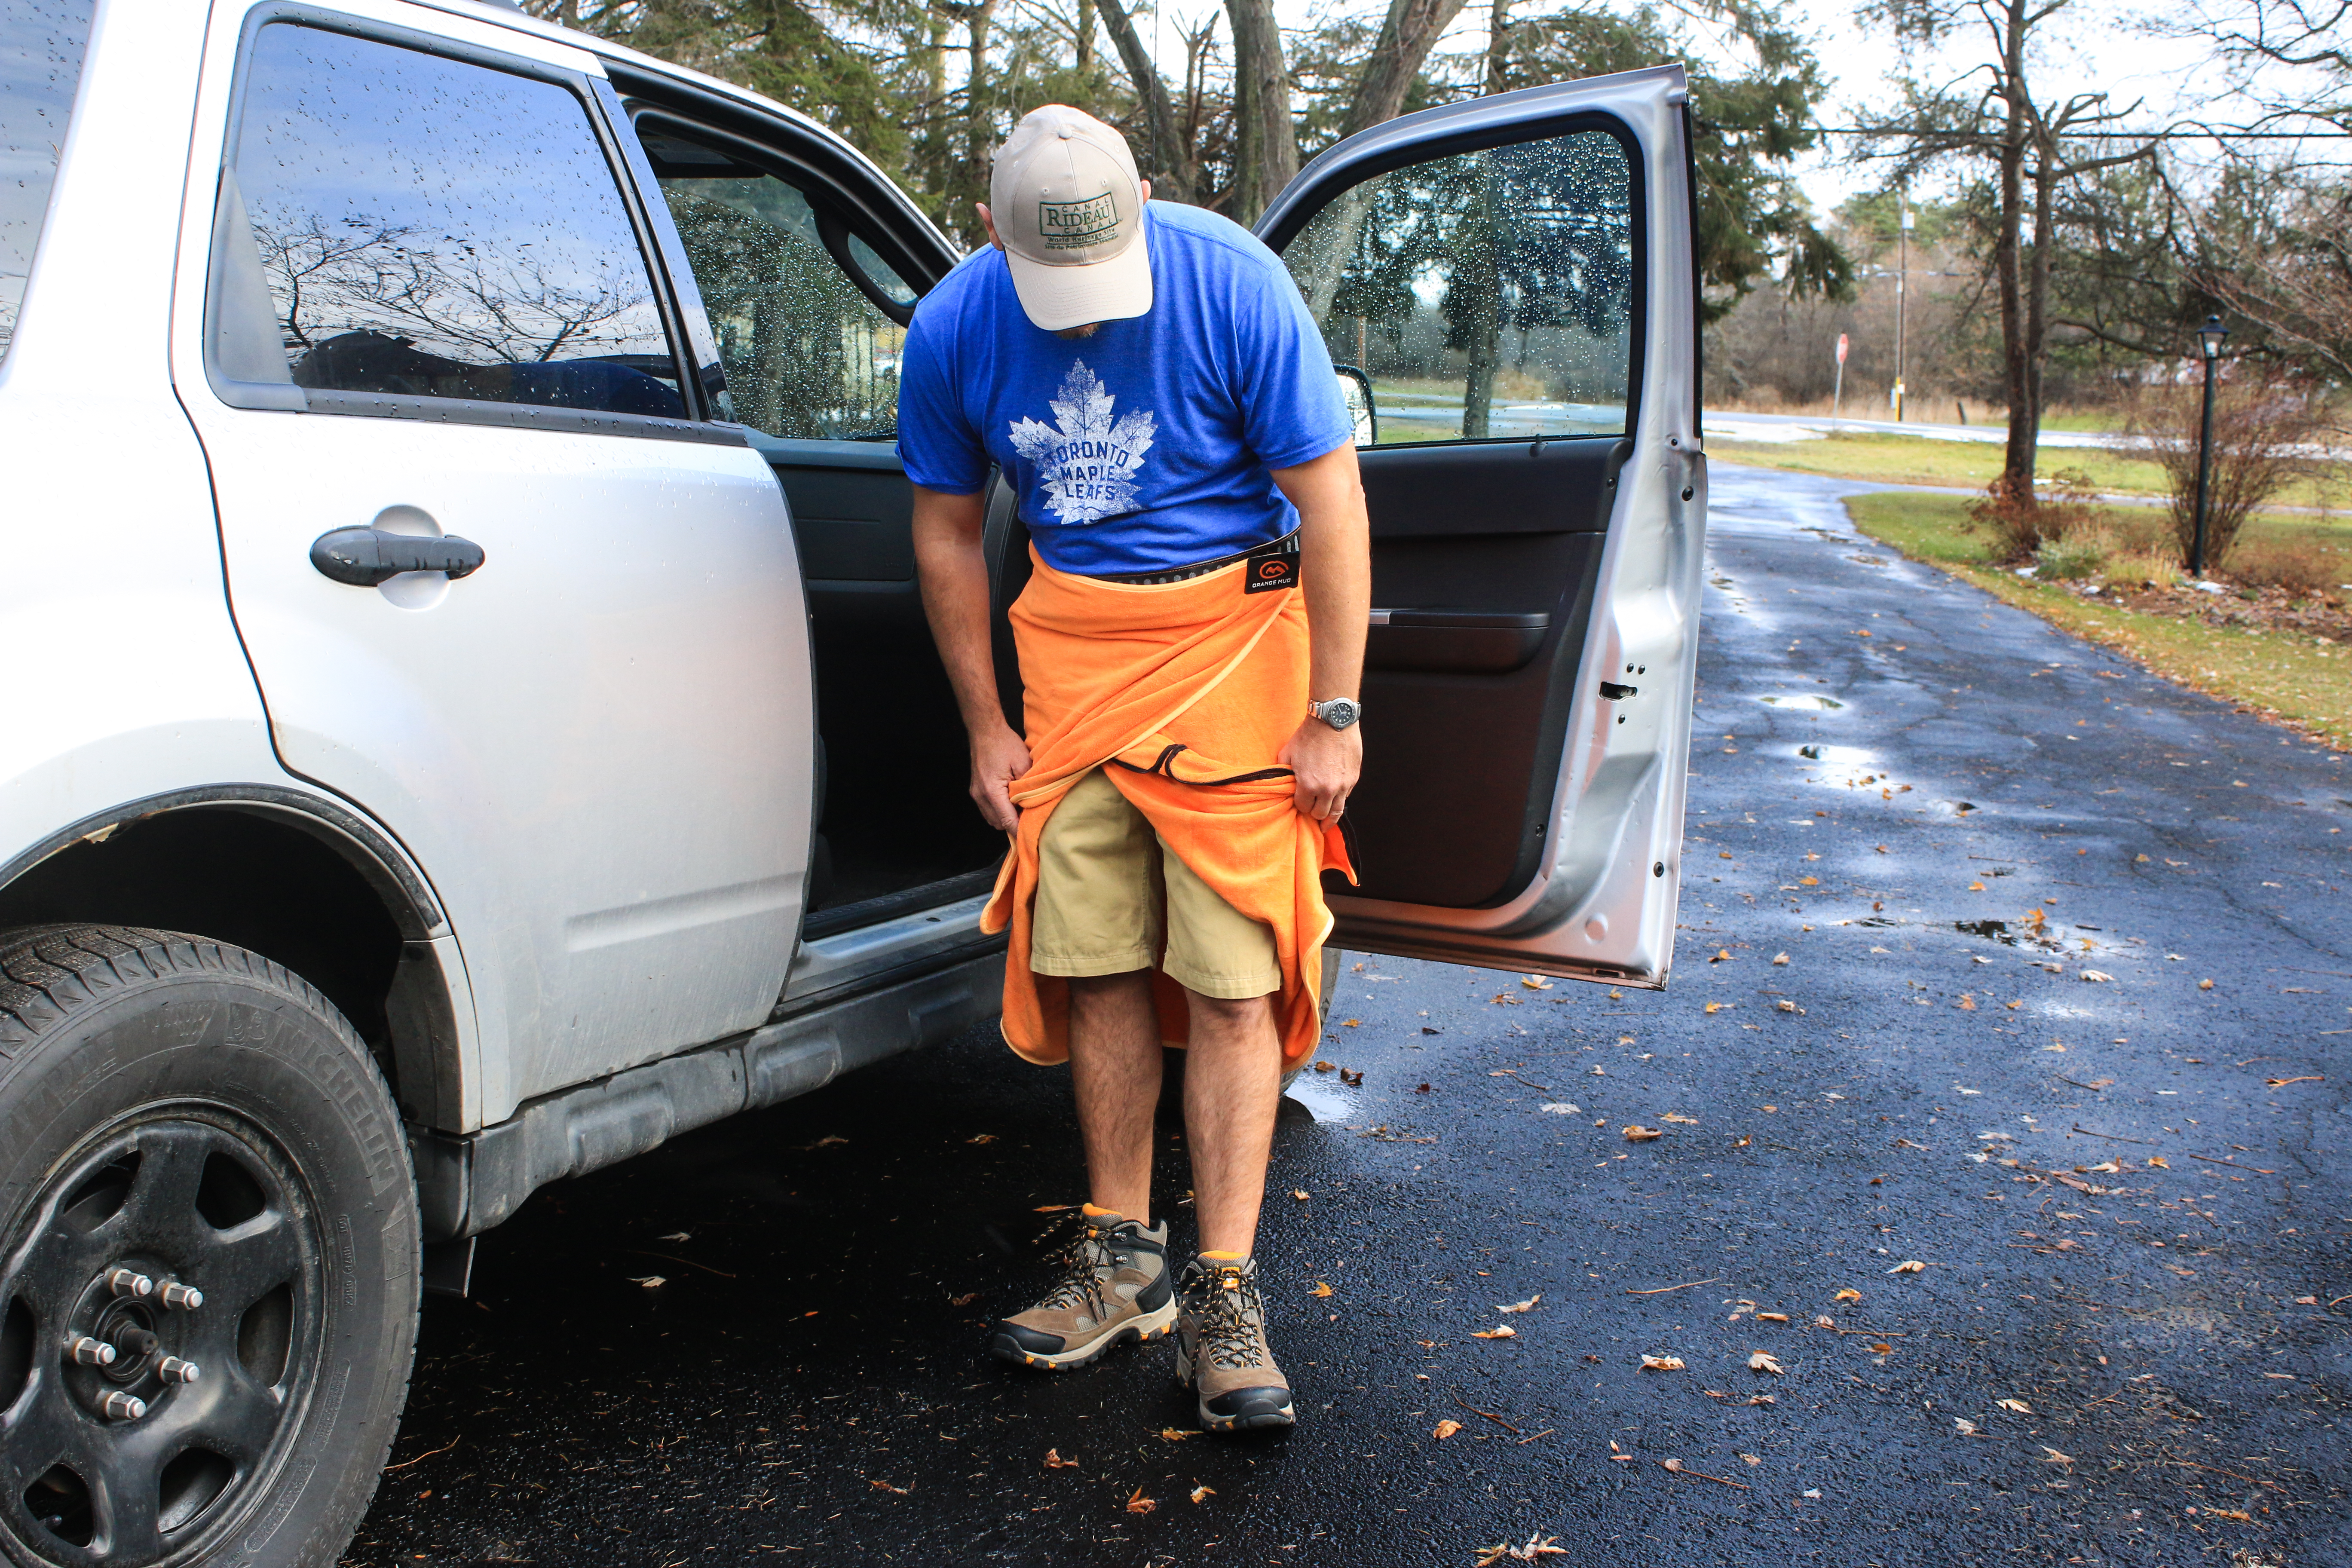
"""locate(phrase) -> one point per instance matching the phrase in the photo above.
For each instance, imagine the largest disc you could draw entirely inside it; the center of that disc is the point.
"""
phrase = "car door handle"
(369, 557)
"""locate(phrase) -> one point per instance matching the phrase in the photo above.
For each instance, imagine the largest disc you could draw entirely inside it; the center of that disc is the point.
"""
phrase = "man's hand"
(997, 759)
(1325, 763)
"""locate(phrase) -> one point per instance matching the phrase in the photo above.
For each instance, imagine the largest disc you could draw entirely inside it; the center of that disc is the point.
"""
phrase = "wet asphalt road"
(2147, 1353)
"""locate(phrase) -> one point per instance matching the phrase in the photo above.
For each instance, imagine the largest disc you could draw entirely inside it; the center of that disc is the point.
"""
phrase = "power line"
(2063, 136)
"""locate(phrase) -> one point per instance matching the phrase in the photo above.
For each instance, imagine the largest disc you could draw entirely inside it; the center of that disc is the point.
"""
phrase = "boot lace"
(1232, 1315)
(1087, 1266)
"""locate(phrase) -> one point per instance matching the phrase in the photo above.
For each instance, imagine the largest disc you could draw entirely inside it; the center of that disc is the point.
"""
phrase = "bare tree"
(1174, 174)
(1266, 136)
(1995, 111)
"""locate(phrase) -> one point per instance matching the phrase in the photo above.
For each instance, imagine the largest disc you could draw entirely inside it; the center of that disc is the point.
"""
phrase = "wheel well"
(252, 876)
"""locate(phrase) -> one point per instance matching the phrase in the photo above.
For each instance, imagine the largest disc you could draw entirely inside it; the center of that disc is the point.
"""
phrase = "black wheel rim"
(124, 1464)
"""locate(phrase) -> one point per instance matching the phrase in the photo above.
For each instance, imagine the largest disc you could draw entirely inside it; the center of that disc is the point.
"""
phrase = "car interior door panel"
(1487, 277)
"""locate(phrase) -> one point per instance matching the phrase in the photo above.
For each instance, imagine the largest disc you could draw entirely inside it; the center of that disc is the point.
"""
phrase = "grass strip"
(2287, 676)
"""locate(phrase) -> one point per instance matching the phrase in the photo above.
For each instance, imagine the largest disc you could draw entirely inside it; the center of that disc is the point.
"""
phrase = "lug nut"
(88, 1351)
(121, 1406)
(181, 1298)
(171, 1369)
(128, 1283)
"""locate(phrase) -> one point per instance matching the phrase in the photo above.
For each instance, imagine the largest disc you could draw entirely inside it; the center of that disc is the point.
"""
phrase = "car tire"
(177, 1112)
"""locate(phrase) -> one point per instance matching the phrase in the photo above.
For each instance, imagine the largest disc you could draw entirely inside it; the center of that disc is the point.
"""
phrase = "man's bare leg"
(1115, 1076)
(1233, 1081)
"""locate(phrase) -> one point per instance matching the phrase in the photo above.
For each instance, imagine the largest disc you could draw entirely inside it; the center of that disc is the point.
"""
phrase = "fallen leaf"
(982, 1138)
(1423, 1090)
(1808, 881)
(1175, 1434)
(650, 1281)
(1139, 1503)
(1909, 1266)
(1642, 1134)
(1504, 1333)
(1772, 1317)
(2204, 986)
(1722, 955)
(1780, 958)
(1051, 1208)
(2158, 1162)
(675, 1235)
(1882, 1348)
(1753, 1459)
(1320, 1289)
(1976, 887)
(1352, 1023)
(1964, 1426)
(1685, 1121)
(2282, 1082)
(1527, 1306)
(2055, 1456)
(1507, 1552)
(966, 1299)
(1661, 1363)
(881, 1486)
(1298, 1193)
(1326, 1066)
(2018, 1405)
(1445, 1429)
(1353, 1079)
(2097, 976)
(1785, 1005)
(1536, 982)
(1966, 1004)
(1200, 1492)
(1714, 1007)
(1759, 1362)
(1054, 1460)
(1848, 1294)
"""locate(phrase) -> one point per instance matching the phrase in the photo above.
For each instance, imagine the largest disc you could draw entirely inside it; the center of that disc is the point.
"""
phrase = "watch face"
(1339, 712)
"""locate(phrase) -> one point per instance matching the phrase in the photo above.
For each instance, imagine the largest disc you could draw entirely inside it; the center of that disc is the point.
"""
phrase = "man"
(1150, 380)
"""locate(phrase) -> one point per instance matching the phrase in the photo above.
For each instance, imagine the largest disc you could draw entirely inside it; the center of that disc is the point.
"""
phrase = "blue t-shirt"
(1145, 446)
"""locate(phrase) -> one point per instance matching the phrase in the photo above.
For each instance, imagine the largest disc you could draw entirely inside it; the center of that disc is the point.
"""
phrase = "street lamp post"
(1901, 290)
(2209, 336)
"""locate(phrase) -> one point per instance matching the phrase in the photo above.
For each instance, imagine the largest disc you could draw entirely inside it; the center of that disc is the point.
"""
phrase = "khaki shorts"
(1104, 879)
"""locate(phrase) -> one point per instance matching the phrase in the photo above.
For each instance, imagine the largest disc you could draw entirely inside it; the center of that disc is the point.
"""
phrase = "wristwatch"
(1339, 711)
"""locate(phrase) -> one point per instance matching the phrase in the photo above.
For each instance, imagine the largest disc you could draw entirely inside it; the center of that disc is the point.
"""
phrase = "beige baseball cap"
(1068, 207)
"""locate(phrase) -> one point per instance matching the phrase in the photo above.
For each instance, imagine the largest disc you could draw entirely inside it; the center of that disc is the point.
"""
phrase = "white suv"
(457, 516)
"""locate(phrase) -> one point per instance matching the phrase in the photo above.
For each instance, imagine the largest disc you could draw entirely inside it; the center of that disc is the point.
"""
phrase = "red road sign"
(1841, 348)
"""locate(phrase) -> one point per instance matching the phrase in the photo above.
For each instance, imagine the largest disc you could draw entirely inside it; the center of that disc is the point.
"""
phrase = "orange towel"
(1184, 694)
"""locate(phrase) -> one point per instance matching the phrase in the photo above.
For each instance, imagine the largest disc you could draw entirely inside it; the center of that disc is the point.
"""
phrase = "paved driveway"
(2001, 867)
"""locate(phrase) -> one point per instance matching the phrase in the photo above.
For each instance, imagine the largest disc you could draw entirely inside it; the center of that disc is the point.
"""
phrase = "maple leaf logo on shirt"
(1087, 460)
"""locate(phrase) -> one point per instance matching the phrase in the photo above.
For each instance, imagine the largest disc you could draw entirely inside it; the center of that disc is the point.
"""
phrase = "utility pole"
(1902, 289)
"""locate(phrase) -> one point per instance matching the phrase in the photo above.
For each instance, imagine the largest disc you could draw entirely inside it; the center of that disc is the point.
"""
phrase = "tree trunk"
(1085, 29)
(1407, 35)
(1480, 278)
(2046, 174)
(1170, 164)
(2017, 462)
(1498, 46)
(979, 123)
(1266, 139)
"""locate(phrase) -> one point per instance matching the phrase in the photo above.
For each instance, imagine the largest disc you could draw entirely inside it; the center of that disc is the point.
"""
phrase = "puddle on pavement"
(1320, 1095)
(1802, 701)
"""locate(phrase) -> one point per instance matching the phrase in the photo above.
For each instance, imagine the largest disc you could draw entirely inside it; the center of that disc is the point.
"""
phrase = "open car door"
(1507, 284)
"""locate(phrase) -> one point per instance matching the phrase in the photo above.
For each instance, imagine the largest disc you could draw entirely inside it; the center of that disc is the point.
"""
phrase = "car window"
(41, 44)
(808, 355)
(432, 228)
(1484, 295)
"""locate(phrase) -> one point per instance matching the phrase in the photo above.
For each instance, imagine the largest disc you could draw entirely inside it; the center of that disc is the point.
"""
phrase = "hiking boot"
(1115, 1287)
(1221, 1348)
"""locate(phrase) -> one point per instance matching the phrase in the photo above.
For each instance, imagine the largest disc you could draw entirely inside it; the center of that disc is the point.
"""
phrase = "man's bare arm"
(1335, 561)
(952, 565)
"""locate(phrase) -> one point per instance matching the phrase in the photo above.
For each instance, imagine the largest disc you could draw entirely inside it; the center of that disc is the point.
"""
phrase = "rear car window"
(41, 44)
(426, 227)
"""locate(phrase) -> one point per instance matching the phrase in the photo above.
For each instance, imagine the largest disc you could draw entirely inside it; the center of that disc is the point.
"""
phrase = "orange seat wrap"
(1184, 694)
